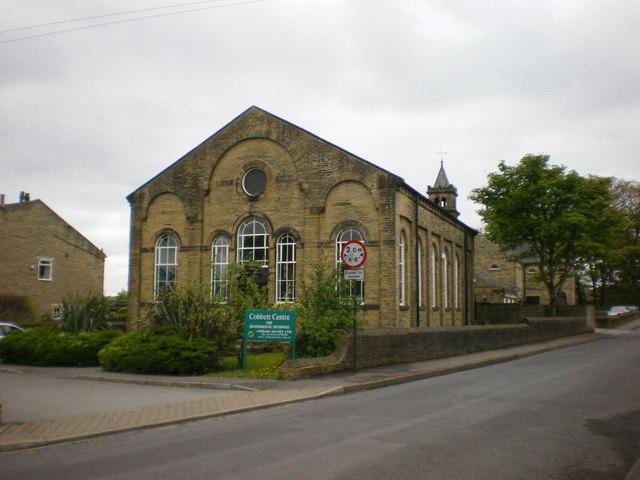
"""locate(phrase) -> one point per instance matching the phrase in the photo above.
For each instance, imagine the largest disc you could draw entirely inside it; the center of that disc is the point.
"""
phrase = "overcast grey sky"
(88, 115)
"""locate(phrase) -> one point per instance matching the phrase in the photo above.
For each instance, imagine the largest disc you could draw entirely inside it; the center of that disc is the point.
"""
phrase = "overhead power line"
(124, 20)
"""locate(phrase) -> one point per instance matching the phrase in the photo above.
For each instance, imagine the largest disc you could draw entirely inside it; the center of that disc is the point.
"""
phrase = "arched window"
(433, 274)
(166, 263)
(444, 279)
(345, 235)
(402, 283)
(219, 266)
(419, 265)
(286, 269)
(253, 241)
(456, 282)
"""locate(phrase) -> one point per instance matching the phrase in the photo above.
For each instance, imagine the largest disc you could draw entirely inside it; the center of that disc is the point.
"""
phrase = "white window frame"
(402, 282)
(166, 260)
(45, 269)
(444, 264)
(286, 269)
(433, 257)
(456, 281)
(419, 273)
(253, 242)
(220, 266)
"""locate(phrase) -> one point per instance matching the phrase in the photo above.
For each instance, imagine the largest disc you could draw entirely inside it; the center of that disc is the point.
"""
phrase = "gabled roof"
(23, 209)
(256, 110)
(253, 111)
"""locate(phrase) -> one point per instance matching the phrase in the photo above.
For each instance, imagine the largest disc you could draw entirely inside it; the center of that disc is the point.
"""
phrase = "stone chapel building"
(264, 190)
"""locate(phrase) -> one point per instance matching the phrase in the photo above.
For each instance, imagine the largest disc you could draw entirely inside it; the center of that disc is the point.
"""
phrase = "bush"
(85, 314)
(162, 351)
(17, 309)
(217, 318)
(324, 311)
(45, 346)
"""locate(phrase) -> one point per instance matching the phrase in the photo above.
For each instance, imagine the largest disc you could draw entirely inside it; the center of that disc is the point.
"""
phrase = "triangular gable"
(245, 116)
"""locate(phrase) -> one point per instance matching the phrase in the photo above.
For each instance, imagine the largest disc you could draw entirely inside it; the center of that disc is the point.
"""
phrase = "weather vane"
(442, 153)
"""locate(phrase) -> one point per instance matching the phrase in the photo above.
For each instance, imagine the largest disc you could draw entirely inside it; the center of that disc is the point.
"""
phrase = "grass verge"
(263, 365)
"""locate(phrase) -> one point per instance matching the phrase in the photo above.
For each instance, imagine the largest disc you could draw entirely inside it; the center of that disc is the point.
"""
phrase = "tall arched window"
(433, 275)
(253, 241)
(286, 269)
(456, 282)
(345, 235)
(219, 266)
(444, 278)
(419, 272)
(402, 283)
(166, 263)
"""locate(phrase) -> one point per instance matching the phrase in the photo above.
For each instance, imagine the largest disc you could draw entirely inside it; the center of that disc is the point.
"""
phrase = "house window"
(253, 241)
(166, 263)
(402, 269)
(286, 269)
(345, 235)
(494, 267)
(445, 280)
(532, 300)
(219, 266)
(45, 269)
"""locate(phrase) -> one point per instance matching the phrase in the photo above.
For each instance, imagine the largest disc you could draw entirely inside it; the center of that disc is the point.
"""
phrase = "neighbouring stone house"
(265, 190)
(500, 277)
(45, 259)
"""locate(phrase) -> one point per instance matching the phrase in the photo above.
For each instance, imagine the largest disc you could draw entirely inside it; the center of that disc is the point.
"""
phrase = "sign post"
(353, 256)
(268, 326)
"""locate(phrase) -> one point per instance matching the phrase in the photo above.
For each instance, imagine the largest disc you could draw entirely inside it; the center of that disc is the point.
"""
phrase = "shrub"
(85, 314)
(220, 319)
(45, 346)
(162, 351)
(324, 310)
(17, 309)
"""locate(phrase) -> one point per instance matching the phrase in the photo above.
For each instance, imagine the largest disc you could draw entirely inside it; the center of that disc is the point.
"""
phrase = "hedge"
(46, 346)
(161, 351)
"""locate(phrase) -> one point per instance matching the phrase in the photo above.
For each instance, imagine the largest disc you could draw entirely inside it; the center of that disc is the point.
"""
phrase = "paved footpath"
(244, 394)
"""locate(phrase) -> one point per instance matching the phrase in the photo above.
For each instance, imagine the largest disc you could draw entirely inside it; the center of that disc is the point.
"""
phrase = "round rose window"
(254, 182)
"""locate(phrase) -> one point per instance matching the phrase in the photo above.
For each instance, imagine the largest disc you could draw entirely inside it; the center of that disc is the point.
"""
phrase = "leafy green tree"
(619, 270)
(554, 215)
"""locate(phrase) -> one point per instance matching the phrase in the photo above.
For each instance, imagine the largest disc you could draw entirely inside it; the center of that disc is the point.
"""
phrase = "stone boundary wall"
(504, 313)
(385, 346)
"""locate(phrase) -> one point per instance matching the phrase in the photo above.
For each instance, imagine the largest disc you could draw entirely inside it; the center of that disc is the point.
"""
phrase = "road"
(568, 414)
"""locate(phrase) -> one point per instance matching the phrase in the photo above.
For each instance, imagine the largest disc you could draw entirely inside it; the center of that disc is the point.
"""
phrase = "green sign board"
(269, 326)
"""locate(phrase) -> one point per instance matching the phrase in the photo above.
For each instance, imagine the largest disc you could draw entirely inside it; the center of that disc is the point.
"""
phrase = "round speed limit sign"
(353, 254)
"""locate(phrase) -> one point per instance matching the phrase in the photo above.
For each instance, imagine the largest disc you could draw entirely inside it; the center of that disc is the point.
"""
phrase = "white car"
(6, 328)
(617, 310)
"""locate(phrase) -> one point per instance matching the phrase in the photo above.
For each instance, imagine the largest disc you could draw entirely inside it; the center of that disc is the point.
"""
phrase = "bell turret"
(443, 193)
